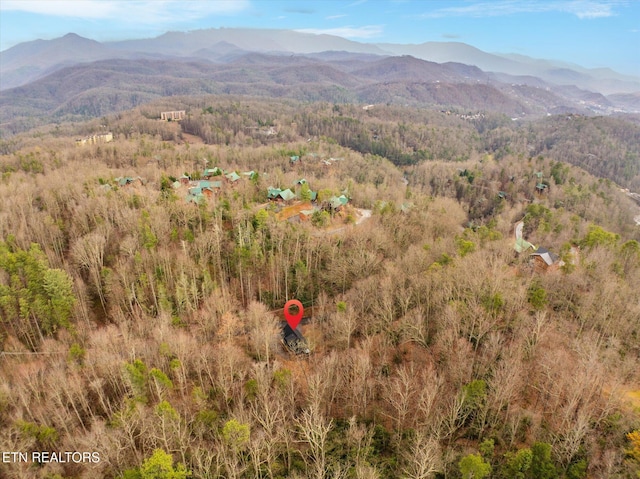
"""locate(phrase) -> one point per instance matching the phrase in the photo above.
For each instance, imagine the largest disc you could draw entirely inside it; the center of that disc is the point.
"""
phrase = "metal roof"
(522, 245)
(215, 171)
(233, 176)
(273, 192)
(287, 194)
(547, 256)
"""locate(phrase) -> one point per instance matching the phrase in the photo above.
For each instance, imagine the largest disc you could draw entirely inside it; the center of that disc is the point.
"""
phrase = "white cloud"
(583, 9)
(335, 17)
(368, 31)
(62, 8)
(139, 11)
(590, 9)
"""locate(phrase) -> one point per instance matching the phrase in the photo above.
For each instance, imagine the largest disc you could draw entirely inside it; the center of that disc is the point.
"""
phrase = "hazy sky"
(591, 33)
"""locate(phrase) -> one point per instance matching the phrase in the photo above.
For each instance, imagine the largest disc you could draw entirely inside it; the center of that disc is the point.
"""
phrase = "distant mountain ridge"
(32, 60)
(107, 86)
(73, 77)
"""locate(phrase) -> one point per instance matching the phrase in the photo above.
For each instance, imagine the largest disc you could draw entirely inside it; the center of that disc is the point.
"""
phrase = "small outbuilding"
(294, 340)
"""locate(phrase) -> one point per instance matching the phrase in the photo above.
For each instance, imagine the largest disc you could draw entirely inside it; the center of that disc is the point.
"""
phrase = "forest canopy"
(141, 294)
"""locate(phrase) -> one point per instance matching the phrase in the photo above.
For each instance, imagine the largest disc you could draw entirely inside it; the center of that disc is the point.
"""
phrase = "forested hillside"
(146, 328)
(102, 87)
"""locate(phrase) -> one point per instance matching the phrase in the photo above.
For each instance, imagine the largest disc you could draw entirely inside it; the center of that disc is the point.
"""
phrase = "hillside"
(107, 86)
(143, 279)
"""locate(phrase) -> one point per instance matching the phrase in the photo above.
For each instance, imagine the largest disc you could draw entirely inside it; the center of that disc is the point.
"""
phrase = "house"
(287, 195)
(544, 260)
(129, 180)
(184, 179)
(205, 189)
(294, 159)
(296, 212)
(196, 199)
(124, 180)
(336, 203)
(273, 193)
(294, 340)
(300, 187)
(215, 171)
(232, 177)
(305, 215)
(195, 190)
(280, 195)
(541, 188)
(209, 188)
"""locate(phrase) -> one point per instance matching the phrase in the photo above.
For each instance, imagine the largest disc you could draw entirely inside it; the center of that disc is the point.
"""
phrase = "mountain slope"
(29, 61)
(99, 88)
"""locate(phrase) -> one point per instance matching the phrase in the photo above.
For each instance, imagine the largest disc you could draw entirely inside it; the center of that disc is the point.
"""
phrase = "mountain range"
(78, 76)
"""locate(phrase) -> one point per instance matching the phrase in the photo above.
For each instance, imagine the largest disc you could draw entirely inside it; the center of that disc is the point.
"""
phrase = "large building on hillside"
(176, 115)
(95, 139)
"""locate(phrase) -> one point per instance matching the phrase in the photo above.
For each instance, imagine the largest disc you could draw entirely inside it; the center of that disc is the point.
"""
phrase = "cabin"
(294, 340)
(232, 177)
(287, 195)
(211, 172)
(306, 214)
(336, 203)
(129, 180)
(195, 198)
(273, 193)
(544, 260)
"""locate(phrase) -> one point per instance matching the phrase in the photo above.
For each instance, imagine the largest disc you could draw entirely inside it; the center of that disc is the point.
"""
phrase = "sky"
(590, 33)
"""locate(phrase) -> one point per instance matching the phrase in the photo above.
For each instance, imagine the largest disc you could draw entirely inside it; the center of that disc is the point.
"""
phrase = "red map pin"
(293, 319)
